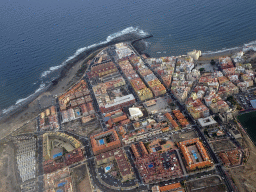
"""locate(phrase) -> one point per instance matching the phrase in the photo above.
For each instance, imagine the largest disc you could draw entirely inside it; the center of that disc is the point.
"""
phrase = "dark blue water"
(37, 35)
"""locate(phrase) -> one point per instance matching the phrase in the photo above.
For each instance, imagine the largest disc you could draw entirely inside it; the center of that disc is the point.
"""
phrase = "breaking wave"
(130, 30)
(111, 37)
(247, 46)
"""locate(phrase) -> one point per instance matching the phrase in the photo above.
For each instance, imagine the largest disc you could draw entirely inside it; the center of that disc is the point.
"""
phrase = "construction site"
(210, 184)
(231, 158)
(48, 120)
(59, 181)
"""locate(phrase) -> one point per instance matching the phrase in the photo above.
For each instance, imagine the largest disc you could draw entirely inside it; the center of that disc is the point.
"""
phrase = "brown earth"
(245, 176)
(8, 174)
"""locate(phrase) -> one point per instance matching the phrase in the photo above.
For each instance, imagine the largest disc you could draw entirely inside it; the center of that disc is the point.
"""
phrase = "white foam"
(247, 46)
(24, 99)
(20, 101)
(220, 51)
(108, 39)
(45, 73)
(250, 43)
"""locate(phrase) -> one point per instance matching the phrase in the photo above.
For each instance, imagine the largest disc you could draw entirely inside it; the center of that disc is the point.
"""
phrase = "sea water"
(39, 37)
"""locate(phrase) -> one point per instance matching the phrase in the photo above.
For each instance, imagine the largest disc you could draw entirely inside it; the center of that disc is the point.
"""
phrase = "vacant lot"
(245, 176)
(81, 179)
(8, 181)
(209, 184)
(77, 127)
(222, 145)
(184, 136)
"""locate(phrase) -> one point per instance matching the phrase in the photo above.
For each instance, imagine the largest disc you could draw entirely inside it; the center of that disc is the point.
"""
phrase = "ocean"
(39, 37)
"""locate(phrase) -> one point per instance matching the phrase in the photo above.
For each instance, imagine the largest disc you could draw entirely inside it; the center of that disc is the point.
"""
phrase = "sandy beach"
(29, 111)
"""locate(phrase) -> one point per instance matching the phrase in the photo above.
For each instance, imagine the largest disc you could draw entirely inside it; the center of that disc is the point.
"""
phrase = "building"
(235, 133)
(144, 94)
(195, 54)
(100, 70)
(156, 167)
(59, 181)
(118, 103)
(207, 122)
(105, 141)
(194, 154)
(57, 140)
(139, 150)
(123, 164)
(226, 117)
(135, 113)
(176, 187)
(172, 121)
(231, 158)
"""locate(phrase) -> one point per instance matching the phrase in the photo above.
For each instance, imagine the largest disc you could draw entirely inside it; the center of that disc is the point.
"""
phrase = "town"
(136, 123)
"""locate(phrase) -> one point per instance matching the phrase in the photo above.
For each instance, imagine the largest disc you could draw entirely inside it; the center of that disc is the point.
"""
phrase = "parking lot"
(244, 100)
(26, 160)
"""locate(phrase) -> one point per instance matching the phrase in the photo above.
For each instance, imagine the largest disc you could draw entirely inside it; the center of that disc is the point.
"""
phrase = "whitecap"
(220, 51)
(108, 39)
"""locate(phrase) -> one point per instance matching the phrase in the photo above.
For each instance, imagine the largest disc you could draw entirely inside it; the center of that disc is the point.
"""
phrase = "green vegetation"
(234, 102)
(247, 120)
(182, 183)
(206, 133)
(201, 69)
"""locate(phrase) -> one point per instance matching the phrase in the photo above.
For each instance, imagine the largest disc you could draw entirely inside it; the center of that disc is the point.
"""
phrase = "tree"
(213, 62)
(201, 69)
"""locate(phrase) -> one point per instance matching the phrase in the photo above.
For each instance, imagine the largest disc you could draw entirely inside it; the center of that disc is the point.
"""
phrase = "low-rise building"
(207, 122)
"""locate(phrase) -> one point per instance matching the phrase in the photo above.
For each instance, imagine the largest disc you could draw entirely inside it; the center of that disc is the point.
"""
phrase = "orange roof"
(170, 187)
(168, 116)
(164, 129)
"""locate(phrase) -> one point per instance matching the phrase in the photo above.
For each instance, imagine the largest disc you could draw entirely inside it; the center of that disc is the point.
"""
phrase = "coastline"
(30, 108)
(221, 53)
(68, 76)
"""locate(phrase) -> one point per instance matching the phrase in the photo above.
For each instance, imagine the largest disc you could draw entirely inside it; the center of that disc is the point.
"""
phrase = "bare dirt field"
(209, 184)
(8, 181)
(245, 176)
(222, 145)
(183, 136)
(81, 179)
(29, 127)
(90, 128)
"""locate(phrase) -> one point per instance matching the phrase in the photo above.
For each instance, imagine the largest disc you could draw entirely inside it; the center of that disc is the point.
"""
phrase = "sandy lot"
(245, 176)
(81, 178)
(8, 174)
